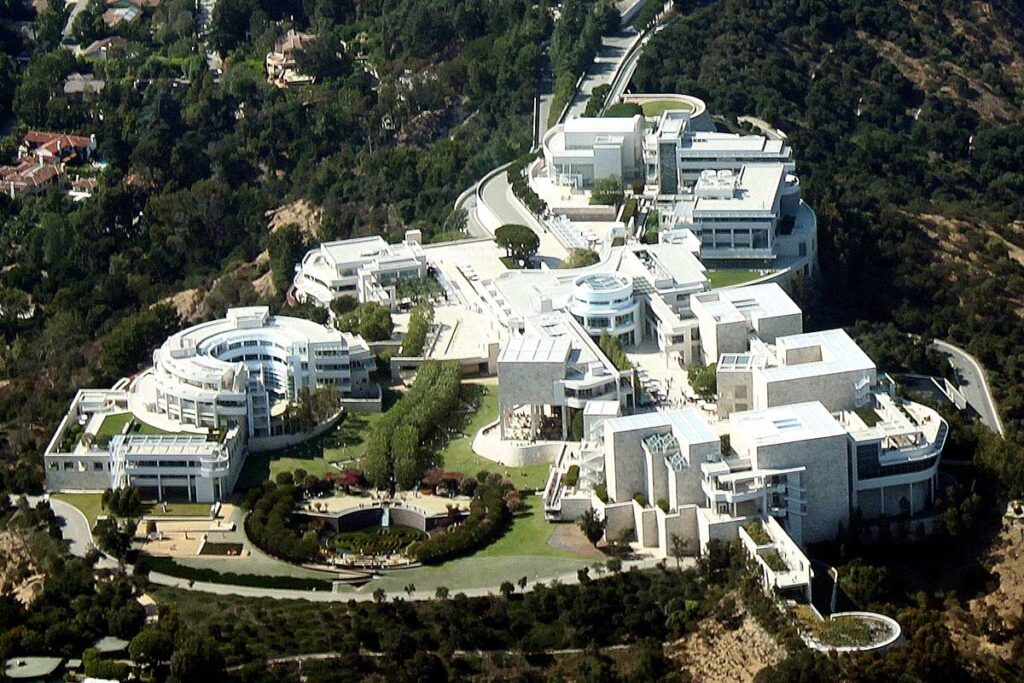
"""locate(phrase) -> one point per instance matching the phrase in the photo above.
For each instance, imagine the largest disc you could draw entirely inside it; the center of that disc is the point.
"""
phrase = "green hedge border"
(166, 565)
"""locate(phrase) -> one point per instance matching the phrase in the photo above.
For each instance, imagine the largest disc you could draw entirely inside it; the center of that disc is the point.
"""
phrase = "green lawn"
(88, 503)
(529, 535)
(113, 424)
(458, 455)
(343, 444)
(658, 107)
(730, 277)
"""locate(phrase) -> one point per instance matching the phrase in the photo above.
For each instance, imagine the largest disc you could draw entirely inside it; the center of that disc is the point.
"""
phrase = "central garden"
(419, 448)
(377, 540)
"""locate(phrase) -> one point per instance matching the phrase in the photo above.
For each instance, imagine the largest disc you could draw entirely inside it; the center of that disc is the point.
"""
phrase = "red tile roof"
(28, 174)
(38, 138)
(59, 146)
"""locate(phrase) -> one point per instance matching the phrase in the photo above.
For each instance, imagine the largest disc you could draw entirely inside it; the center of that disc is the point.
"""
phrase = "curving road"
(74, 528)
(974, 384)
(616, 56)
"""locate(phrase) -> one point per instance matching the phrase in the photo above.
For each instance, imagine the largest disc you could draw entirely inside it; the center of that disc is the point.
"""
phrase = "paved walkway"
(367, 593)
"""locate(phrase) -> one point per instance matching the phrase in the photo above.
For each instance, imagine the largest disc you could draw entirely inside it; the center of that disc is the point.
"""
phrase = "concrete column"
(159, 488)
(565, 426)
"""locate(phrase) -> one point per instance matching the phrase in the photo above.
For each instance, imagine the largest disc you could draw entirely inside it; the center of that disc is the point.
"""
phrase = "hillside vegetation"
(905, 119)
(412, 102)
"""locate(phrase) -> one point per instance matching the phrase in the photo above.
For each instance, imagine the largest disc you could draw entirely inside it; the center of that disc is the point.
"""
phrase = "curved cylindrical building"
(604, 302)
(246, 368)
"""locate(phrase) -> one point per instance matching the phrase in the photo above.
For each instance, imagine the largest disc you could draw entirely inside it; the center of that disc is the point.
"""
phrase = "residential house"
(281, 61)
(104, 48)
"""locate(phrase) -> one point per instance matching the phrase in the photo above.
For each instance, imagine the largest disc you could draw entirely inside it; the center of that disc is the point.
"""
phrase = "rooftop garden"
(423, 288)
(843, 630)
(869, 416)
(114, 424)
(775, 561)
(757, 532)
(658, 107)
(731, 277)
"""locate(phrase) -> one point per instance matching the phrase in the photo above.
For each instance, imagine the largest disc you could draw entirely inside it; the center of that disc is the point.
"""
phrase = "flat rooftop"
(687, 425)
(830, 352)
(602, 125)
(535, 350)
(785, 424)
(702, 142)
(358, 248)
(745, 303)
(756, 188)
(31, 668)
(658, 261)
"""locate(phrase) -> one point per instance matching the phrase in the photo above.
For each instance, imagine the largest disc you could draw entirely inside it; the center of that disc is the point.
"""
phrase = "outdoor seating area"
(668, 393)
(520, 426)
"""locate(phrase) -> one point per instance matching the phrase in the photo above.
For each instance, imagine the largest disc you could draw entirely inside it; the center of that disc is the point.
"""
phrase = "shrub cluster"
(167, 565)
(521, 188)
(490, 513)
(269, 523)
(123, 502)
(377, 541)
(419, 324)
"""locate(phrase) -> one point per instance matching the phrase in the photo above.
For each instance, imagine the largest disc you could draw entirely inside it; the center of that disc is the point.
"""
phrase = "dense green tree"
(607, 191)
(592, 525)
(134, 337)
(287, 248)
(151, 646)
(114, 537)
(703, 380)
(518, 241)
(196, 658)
(370, 320)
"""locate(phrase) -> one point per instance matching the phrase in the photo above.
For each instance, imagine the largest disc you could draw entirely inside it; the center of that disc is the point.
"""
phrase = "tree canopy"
(518, 241)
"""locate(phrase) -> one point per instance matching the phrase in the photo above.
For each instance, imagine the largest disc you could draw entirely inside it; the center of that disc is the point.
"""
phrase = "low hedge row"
(166, 565)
